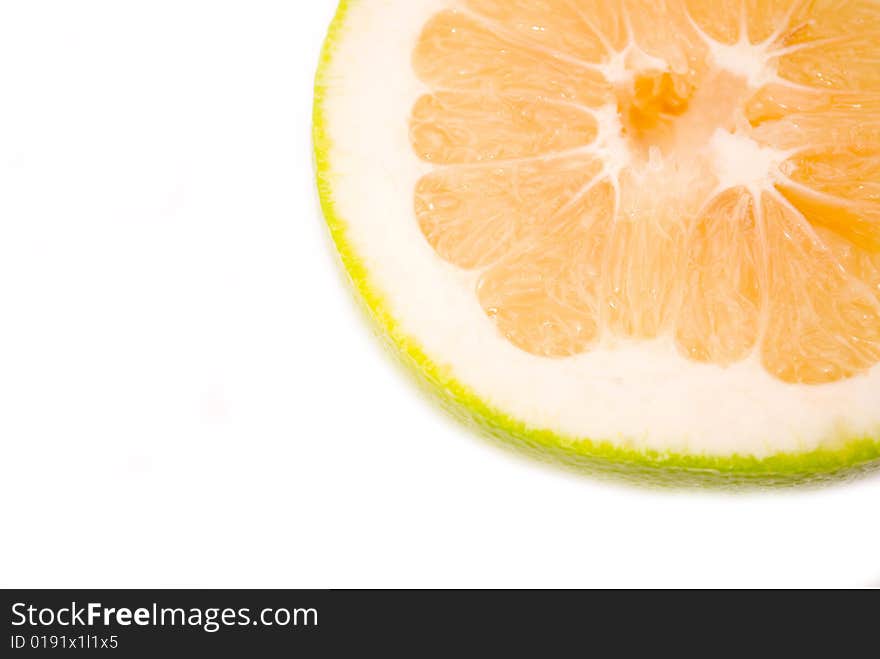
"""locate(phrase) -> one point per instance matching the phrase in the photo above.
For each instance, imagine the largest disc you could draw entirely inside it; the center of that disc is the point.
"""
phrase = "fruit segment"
(823, 323)
(473, 216)
(644, 258)
(839, 189)
(545, 298)
(565, 27)
(457, 52)
(442, 128)
(636, 170)
(724, 281)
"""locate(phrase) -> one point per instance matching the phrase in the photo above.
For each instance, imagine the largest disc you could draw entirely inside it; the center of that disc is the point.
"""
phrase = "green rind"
(843, 457)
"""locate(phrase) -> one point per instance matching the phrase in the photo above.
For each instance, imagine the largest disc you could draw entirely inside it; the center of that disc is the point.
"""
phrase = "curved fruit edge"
(849, 457)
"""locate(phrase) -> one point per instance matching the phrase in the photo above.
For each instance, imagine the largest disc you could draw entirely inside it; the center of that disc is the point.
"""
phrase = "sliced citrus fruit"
(638, 236)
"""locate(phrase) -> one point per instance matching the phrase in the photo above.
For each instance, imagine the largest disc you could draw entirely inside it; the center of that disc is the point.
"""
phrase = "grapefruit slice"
(635, 236)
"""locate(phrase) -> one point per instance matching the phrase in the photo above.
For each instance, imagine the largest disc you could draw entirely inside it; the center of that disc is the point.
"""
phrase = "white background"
(188, 396)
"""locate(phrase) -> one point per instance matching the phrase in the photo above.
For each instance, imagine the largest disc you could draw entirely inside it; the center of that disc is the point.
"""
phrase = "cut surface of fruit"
(687, 166)
(630, 231)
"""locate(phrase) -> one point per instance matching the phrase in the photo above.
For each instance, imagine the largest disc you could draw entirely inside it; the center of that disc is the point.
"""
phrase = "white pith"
(642, 395)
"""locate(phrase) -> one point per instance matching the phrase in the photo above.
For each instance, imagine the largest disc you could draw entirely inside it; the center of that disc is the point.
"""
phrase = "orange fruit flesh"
(575, 166)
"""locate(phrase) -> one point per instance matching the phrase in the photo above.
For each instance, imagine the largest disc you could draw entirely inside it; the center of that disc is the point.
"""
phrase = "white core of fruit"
(642, 395)
(610, 146)
(738, 160)
(751, 62)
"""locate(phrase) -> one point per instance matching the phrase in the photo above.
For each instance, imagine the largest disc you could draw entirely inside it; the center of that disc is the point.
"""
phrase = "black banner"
(268, 623)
